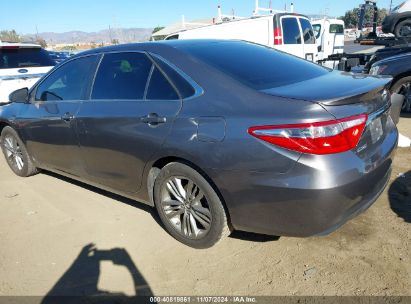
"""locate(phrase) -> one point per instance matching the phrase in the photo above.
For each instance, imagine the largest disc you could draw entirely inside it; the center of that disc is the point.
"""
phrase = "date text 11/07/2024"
(203, 299)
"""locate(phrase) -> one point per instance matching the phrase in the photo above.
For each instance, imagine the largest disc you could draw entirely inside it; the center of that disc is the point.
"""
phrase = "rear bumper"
(317, 196)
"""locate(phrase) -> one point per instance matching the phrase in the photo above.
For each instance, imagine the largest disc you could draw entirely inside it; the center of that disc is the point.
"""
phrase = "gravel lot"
(48, 222)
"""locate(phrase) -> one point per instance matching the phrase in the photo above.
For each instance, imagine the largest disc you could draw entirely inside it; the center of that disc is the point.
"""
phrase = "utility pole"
(390, 6)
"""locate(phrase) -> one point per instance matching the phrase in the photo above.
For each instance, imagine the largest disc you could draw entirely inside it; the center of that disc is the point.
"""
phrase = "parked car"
(58, 57)
(21, 65)
(212, 134)
(288, 32)
(398, 21)
(386, 53)
(399, 67)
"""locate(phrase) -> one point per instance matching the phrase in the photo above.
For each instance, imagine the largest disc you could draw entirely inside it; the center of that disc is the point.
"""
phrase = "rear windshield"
(24, 57)
(336, 29)
(254, 65)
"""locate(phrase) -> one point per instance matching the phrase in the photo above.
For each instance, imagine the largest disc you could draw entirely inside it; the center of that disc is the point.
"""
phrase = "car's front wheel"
(189, 207)
(15, 153)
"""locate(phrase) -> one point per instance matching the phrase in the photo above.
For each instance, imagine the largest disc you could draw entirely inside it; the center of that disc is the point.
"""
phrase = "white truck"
(21, 65)
(330, 36)
(288, 32)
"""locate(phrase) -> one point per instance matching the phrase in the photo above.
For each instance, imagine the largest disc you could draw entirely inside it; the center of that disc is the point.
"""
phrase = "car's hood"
(334, 88)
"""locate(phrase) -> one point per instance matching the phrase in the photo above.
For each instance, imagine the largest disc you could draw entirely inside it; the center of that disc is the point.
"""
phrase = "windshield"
(24, 57)
(254, 65)
(317, 30)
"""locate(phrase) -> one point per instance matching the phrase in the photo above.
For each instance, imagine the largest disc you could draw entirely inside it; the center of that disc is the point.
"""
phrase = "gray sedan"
(216, 135)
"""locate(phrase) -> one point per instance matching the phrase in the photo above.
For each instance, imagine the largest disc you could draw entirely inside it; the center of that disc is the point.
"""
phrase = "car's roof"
(178, 44)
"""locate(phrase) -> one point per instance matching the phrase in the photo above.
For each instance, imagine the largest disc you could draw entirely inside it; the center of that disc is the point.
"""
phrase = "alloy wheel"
(186, 207)
(14, 154)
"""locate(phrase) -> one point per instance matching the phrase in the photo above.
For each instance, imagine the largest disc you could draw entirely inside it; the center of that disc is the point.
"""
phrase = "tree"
(351, 17)
(9, 36)
(157, 28)
(42, 42)
(115, 41)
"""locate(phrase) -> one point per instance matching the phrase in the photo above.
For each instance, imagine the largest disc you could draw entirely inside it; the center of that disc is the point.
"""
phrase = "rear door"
(292, 40)
(308, 37)
(126, 120)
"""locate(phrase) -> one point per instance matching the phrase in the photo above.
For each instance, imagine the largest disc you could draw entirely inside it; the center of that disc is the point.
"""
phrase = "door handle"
(67, 117)
(153, 119)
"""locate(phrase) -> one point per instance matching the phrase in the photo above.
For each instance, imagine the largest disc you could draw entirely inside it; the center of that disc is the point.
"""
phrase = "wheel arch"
(399, 77)
(162, 162)
(401, 17)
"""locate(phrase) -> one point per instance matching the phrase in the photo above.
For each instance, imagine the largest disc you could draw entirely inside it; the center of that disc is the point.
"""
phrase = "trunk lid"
(338, 89)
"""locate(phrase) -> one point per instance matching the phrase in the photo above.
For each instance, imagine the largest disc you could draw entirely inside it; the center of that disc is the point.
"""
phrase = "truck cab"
(330, 36)
(398, 21)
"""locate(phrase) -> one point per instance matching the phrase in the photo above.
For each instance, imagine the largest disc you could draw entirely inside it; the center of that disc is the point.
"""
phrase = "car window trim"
(148, 55)
(33, 91)
(198, 90)
(150, 74)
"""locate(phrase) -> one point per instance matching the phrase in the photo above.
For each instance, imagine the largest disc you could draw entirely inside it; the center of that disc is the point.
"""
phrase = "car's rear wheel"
(16, 154)
(403, 29)
(403, 87)
(189, 207)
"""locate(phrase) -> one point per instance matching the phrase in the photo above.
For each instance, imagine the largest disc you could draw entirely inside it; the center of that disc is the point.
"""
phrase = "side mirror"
(20, 95)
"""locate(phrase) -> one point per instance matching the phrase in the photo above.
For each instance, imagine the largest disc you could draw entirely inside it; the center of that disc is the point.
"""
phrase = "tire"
(197, 220)
(403, 29)
(403, 86)
(16, 154)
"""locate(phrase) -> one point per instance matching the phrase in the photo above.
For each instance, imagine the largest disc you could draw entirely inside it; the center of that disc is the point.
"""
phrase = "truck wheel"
(189, 207)
(403, 29)
(403, 87)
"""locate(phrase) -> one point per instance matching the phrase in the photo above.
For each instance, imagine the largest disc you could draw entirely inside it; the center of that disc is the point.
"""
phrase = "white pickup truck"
(21, 65)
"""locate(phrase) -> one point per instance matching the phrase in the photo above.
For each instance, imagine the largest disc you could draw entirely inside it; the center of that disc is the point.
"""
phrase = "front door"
(50, 120)
(127, 119)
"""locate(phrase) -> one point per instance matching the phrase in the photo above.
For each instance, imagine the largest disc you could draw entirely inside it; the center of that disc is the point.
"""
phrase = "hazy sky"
(94, 15)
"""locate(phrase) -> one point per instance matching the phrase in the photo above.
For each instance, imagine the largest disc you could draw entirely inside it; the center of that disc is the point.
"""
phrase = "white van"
(330, 36)
(288, 32)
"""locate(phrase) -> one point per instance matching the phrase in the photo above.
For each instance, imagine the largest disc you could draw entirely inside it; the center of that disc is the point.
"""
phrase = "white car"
(21, 66)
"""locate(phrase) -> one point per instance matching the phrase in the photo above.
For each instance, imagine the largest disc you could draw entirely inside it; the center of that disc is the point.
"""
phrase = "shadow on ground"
(399, 195)
(80, 281)
(241, 235)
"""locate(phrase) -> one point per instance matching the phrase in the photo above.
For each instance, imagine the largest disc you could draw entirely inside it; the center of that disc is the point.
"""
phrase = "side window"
(291, 30)
(122, 76)
(308, 32)
(184, 88)
(69, 82)
(160, 88)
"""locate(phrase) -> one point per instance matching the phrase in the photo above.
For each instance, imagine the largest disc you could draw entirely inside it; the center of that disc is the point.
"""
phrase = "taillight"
(278, 36)
(327, 137)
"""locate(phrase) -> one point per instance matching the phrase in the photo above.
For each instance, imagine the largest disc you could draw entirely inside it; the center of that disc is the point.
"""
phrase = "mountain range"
(123, 35)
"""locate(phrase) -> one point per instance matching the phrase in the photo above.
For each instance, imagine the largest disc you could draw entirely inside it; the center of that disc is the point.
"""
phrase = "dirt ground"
(47, 224)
